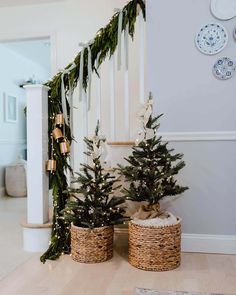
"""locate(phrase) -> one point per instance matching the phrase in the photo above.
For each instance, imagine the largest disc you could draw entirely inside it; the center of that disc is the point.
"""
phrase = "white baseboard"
(36, 239)
(2, 192)
(221, 244)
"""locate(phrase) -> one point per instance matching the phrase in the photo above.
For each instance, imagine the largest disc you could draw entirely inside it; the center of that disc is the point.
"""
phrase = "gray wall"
(193, 100)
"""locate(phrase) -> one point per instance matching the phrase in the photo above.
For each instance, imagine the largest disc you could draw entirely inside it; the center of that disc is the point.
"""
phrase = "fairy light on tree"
(104, 45)
(152, 166)
(93, 204)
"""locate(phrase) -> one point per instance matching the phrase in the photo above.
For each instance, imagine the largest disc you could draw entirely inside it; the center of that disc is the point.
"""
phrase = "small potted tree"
(154, 234)
(93, 209)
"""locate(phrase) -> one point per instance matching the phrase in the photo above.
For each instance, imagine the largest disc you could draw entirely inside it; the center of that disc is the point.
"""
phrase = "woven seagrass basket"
(155, 248)
(91, 246)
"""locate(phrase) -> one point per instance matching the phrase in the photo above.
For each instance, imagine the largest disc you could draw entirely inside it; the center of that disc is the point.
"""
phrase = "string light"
(58, 181)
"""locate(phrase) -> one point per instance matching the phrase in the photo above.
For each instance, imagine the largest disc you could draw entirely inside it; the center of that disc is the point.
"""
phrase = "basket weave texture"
(91, 246)
(155, 248)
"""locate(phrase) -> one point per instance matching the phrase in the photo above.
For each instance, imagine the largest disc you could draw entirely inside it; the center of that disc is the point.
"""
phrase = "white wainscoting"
(222, 244)
(205, 243)
(201, 243)
(117, 151)
(199, 136)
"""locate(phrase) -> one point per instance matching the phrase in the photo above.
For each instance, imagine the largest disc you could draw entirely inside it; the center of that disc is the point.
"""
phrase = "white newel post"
(37, 229)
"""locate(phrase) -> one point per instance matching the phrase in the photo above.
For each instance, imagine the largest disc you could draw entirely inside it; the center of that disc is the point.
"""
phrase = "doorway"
(22, 62)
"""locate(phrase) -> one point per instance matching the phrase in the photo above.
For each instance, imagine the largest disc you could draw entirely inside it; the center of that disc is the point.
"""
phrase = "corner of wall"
(2, 192)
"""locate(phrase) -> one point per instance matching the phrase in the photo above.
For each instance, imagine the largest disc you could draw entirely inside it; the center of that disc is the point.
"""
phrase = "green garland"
(105, 44)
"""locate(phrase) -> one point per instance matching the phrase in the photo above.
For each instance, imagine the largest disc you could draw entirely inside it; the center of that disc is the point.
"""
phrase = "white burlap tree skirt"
(157, 221)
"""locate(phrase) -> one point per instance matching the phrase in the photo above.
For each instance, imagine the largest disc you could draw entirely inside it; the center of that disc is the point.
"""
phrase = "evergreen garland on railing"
(105, 44)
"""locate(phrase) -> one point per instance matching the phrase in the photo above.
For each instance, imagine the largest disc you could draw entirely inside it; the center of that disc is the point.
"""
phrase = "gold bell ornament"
(59, 120)
(57, 134)
(65, 147)
(51, 165)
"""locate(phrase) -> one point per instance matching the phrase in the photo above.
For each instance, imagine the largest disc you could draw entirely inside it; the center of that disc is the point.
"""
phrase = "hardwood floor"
(198, 273)
(12, 211)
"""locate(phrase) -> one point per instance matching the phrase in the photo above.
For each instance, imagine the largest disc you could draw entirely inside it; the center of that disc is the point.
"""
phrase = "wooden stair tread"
(25, 224)
(121, 143)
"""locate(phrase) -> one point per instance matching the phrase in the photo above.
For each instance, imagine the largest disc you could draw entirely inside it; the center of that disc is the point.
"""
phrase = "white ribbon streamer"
(144, 134)
(85, 122)
(126, 84)
(126, 45)
(120, 23)
(141, 58)
(112, 98)
(98, 145)
(81, 71)
(81, 74)
(63, 92)
(98, 88)
(64, 108)
(146, 112)
(71, 107)
(107, 154)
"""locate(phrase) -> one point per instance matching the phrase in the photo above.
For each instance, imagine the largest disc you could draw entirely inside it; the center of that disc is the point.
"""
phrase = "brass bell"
(59, 120)
(64, 147)
(57, 134)
(51, 165)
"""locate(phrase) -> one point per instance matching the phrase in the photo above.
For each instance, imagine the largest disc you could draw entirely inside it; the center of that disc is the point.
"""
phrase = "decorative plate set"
(212, 38)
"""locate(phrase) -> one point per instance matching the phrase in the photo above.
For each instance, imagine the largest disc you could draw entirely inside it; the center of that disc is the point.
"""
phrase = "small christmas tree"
(152, 166)
(93, 204)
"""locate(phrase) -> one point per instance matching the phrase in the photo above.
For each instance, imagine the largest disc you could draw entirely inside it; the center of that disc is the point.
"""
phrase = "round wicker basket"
(155, 248)
(91, 246)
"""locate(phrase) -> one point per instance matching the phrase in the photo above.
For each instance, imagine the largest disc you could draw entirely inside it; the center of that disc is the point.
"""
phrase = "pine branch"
(151, 169)
(105, 44)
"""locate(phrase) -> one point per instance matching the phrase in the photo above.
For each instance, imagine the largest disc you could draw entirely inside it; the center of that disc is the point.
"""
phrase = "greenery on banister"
(104, 44)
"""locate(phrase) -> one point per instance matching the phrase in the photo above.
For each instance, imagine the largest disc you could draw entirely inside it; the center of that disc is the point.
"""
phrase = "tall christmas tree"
(93, 204)
(152, 166)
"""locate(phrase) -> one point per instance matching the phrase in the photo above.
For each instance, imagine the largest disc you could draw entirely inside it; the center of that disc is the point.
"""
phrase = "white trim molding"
(222, 244)
(36, 239)
(199, 136)
(201, 243)
(13, 142)
(6, 3)
(35, 35)
(185, 137)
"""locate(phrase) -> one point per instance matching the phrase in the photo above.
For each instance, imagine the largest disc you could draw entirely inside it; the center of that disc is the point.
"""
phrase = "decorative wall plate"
(234, 32)
(211, 39)
(224, 68)
(223, 9)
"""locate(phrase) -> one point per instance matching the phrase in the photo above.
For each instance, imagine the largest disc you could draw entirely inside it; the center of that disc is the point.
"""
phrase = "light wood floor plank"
(198, 273)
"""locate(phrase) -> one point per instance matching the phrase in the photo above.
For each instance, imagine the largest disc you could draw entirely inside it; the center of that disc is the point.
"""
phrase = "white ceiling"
(36, 50)
(4, 3)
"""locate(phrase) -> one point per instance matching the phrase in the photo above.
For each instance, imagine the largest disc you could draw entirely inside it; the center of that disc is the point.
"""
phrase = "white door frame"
(34, 35)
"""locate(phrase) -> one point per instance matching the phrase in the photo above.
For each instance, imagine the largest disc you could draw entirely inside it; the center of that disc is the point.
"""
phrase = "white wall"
(193, 100)
(14, 68)
(69, 22)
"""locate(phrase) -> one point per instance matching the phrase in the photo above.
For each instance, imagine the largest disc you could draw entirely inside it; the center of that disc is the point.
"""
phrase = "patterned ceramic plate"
(234, 32)
(224, 68)
(211, 39)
